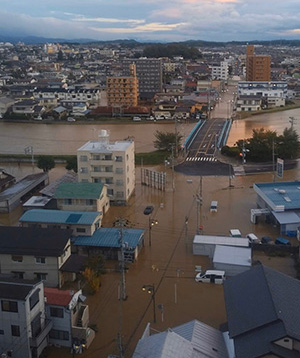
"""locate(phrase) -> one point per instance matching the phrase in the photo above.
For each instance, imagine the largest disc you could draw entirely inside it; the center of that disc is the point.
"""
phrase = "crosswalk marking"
(201, 159)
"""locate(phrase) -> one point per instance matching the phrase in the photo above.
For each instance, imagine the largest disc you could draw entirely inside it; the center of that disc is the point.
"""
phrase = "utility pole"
(273, 159)
(199, 206)
(121, 223)
(176, 138)
(172, 157)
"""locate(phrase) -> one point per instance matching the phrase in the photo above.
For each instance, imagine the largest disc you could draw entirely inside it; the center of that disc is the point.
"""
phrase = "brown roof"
(58, 297)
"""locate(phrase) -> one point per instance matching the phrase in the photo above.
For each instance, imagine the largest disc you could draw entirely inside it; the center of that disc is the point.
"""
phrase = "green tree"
(287, 144)
(165, 141)
(45, 162)
(72, 163)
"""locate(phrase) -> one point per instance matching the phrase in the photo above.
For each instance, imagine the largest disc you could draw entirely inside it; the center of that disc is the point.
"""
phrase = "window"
(41, 276)
(110, 191)
(16, 258)
(119, 182)
(83, 170)
(89, 202)
(83, 158)
(80, 229)
(119, 170)
(9, 306)
(40, 260)
(34, 299)
(15, 331)
(68, 201)
(56, 312)
(57, 334)
(119, 158)
(2, 331)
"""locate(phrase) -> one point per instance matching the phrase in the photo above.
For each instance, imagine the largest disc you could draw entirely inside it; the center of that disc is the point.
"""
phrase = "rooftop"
(15, 290)
(95, 146)
(33, 241)
(79, 190)
(280, 196)
(58, 297)
(110, 237)
(60, 216)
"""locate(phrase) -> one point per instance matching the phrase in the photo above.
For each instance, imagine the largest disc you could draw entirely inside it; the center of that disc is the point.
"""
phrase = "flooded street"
(168, 263)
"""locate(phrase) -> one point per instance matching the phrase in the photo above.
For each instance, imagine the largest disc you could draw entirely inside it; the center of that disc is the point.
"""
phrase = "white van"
(253, 239)
(211, 276)
(213, 206)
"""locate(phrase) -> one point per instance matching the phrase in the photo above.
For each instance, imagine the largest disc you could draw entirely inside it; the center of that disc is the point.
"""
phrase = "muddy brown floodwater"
(169, 264)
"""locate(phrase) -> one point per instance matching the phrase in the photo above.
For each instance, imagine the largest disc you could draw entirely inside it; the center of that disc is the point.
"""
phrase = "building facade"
(149, 74)
(108, 163)
(123, 91)
(23, 324)
(258, 67)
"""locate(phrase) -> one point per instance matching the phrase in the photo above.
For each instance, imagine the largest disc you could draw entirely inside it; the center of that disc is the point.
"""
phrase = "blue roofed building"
(80, 222)
(107, 241)
(263, 313)
(281, 203)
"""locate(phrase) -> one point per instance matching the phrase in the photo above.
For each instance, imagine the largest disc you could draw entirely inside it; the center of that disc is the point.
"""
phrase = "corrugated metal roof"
(60, 216)
(191, 340)
(232, 255)
(79, 190)
(285, 194)
(110, 237)
(205, 339)
(221, 240)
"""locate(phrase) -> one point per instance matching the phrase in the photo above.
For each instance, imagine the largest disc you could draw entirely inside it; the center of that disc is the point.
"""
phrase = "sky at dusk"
(158, 20)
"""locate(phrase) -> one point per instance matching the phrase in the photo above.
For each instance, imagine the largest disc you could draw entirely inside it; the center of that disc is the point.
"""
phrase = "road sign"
(280, 167)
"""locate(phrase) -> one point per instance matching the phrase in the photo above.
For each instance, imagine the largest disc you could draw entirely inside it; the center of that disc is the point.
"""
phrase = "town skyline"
(211, 20)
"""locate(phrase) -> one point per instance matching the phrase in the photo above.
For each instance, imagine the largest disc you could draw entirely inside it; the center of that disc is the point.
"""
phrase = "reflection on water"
(242, 129)
(66, 139)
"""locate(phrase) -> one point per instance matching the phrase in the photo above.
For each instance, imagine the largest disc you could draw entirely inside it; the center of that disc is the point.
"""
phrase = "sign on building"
(280, 167)
(154, 179)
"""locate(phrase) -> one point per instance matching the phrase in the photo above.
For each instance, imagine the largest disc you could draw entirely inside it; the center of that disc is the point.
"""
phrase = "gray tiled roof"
(262, 306)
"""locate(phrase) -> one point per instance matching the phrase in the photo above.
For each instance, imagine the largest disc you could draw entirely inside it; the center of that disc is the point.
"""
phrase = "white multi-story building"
(100, 161)
(220, 71)
(24, 328)
(263, 89)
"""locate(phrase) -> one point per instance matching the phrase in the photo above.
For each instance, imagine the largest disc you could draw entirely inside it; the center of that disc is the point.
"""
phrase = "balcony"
(35, 342)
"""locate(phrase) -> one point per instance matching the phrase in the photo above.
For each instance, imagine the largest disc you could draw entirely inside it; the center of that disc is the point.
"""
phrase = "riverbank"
(244, 115)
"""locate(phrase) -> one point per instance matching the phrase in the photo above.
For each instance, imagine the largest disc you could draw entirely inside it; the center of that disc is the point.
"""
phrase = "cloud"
(110, 20)
(151, 27)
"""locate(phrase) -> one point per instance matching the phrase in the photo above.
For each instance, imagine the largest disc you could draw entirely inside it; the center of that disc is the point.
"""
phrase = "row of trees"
(172, 50)
(264, 143)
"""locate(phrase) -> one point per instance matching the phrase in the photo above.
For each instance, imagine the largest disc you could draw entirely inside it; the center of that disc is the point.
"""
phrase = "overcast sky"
(159, 20)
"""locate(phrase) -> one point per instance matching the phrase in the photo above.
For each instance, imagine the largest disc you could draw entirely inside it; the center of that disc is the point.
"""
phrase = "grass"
(156, 157)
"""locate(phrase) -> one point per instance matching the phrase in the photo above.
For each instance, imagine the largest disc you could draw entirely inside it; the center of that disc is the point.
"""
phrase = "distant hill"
(4, 37)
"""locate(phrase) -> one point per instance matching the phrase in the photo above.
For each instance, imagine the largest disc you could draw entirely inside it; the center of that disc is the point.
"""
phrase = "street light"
(152, 222)
(151, 290)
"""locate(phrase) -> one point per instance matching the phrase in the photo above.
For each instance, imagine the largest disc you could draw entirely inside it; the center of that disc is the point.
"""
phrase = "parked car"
(148, 210)
(266, 240)
(70, 119)
(282, 241)
(211, 276)
(137, 119)
(253, 239)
